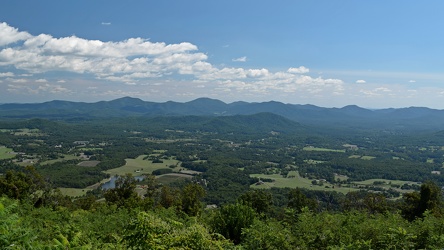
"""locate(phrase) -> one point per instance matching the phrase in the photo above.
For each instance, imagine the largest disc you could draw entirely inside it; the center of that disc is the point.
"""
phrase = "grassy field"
(26, 131)
(139, 166)
(324, 149)
(166, 179)
(363, 157)
(394, 182)
(88, 163)
(6, 153)
(74, 192)
(297, 181)
(65, 158)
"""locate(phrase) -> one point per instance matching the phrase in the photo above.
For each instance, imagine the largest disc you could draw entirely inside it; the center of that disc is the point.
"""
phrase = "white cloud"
(10, 34)
(299, 70)
(138, 61)
(360, 81)
(412, 81)
(46, 88)
(106, 23)
(54, 89)
(7, 74)
(240, 59)
(383, 89)
(19, 80)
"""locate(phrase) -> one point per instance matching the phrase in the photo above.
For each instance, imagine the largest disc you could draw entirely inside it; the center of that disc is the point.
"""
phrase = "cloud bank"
(136, 59)
(142, 68)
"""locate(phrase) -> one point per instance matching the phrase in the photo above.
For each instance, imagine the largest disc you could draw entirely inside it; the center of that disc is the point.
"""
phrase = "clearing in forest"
(6, 153)
(296, 182)
(139, 166)
(310, 148)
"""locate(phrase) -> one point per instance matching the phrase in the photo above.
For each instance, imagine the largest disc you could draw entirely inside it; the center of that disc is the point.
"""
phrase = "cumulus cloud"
(136, 61)
(240, 59)
(380, 91)
(299, 70)
(10, 34)
(45, 88)
(7, 74)
(360, 81)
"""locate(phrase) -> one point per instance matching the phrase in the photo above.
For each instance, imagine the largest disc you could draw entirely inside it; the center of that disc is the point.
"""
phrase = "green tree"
(124, 193)
(19, 185)
(298, 200)
(231, 219)
(192, 195)
(260, 200)
(429, 198)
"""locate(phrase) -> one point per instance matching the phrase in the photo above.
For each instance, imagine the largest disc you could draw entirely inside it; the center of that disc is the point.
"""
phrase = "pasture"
(64, 157)
(386, 181)
(167, 179)
(363, 157)
(296, 182)
(139, 166)
(74, 192)
(88, 163)
(310, 148)
(6, 153)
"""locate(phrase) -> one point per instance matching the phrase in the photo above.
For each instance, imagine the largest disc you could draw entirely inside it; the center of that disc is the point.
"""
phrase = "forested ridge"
(217, 182)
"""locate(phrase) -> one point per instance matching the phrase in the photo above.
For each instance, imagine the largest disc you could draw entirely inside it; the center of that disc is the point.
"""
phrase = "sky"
(329, 53)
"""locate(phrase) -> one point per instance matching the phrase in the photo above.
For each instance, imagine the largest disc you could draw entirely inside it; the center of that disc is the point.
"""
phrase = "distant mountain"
(352, 116)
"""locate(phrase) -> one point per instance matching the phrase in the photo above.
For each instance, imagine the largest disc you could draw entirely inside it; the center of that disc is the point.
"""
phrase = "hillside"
(412, 118)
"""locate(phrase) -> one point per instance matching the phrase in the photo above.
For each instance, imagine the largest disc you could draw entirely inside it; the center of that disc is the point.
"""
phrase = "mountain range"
(412, 118)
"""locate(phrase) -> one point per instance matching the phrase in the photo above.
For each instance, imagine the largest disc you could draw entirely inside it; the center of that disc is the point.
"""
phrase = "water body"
(112, 182)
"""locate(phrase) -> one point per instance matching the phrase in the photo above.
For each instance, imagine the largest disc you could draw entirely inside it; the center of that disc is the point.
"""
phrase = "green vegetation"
(62, 158)
(323, 149)
(263, 188)
(75, 192)
(296, 181)
(6, 153)
(140, 166)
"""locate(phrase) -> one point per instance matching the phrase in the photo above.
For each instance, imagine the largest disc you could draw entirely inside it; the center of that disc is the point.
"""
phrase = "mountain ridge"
(416, 118)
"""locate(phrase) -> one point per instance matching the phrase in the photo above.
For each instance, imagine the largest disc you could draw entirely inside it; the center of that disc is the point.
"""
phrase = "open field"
(6, 153)
(324, 149)
(139, 166)
(363, 157)
(88, 163)
(65, 158)
(296, 182)
(74, 192)
(23, 131)
(166, 179)
(388, 182)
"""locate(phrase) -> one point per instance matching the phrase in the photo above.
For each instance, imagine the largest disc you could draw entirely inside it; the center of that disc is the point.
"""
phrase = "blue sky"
(330, 53)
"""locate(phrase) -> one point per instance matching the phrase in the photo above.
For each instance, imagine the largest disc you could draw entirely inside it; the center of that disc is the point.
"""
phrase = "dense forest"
(217, 182)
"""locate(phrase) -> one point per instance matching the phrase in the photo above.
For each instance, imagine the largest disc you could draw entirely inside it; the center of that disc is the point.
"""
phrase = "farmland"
(141, 166)
(6, 153)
